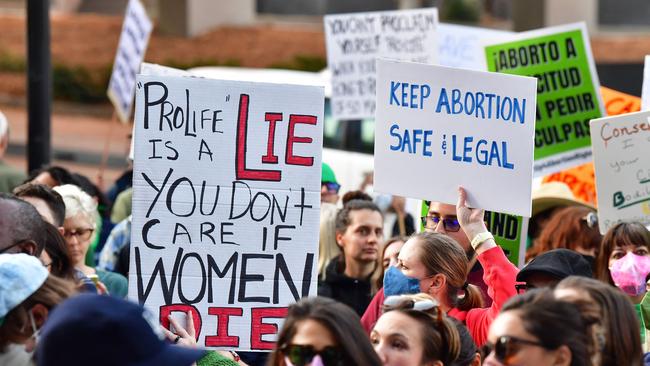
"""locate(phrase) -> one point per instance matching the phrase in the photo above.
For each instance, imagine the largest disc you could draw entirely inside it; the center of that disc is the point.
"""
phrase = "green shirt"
(10, 177)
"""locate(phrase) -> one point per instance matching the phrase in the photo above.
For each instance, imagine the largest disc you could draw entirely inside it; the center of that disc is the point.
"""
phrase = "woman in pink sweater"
(439, 264)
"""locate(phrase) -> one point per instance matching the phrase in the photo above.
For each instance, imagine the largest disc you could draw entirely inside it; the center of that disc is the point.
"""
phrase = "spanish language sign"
(622, 165)
(461, 46)
(355, 40)
(438, 128)
(568, 94)
(509, 231)
(226, 203)
(130, 53)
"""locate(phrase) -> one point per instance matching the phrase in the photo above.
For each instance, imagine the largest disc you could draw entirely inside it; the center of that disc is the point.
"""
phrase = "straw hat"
(553, 194)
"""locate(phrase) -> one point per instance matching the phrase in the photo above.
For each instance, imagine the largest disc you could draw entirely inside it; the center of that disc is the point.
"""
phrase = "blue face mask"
(396, 283)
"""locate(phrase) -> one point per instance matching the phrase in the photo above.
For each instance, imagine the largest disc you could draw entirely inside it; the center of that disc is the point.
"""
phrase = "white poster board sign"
(130, 53)
(355, 40)
(438, 128)
(645, 90)
(226, 204)
(621, 149)
(462, 46)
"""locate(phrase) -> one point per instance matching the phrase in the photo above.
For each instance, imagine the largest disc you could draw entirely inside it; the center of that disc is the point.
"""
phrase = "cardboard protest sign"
(568, 94)
(461, 46)
(622, 165)
(509, 231)
(226, 203)
(437, 128)
(130, 53)
(355, 40)
(645, 90)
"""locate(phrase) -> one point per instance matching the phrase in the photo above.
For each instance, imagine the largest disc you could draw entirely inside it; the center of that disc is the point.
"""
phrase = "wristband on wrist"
(481, 238)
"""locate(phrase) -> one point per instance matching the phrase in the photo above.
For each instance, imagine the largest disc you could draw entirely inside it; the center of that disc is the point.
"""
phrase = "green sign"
(509, 232)
(568, 91)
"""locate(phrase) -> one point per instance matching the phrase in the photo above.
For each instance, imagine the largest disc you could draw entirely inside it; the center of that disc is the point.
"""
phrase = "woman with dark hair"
(536, 329)
(352, 276)
(414, 331)
(322, 330)
(627, 243)
(57, 259)
(615, 334)
(574, 228)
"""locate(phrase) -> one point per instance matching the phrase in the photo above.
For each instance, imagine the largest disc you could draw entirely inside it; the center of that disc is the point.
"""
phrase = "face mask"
(629, 273)
(396, 283)
(36, 332)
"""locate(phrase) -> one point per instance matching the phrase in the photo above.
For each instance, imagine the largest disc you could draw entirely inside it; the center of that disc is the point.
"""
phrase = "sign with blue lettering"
(462, 46)
(438, 128)
(130, 53)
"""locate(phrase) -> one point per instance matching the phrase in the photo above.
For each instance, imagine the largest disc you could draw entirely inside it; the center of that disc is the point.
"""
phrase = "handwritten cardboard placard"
(568, 95)
(462, 46)
(621, 147)
(355, 40)
(226, 203)
(130, 53)
(437, 128)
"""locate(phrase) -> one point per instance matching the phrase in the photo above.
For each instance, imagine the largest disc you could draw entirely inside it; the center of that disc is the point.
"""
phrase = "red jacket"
(500, 277)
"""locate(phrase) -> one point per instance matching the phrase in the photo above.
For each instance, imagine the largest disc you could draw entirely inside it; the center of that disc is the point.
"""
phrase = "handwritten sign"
(130, 53)
(622, 165)
(353, 43)
(461, 46)
(438, 128)
(568, 94)
(226, 203)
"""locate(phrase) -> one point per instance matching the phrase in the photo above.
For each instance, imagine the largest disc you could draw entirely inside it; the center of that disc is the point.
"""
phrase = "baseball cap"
(92, 329)
(327, 174)
(20, 276)
(559, 263)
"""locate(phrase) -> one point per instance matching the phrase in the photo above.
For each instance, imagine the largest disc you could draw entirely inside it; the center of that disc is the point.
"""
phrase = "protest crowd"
(558, 280)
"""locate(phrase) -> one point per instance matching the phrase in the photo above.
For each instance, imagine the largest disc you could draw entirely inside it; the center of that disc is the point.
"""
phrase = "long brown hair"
(15, 328)
(342, 322)
(441, 254)
(620, 235)
(616, 318)
(568, 228)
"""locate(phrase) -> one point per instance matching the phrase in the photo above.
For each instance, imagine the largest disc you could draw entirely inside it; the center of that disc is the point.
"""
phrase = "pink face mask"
(629, 273)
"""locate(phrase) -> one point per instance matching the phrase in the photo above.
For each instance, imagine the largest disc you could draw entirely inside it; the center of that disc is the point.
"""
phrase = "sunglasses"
(591, 219)
(331, 186)
(301, 355)
(506, 347)
(431, 223)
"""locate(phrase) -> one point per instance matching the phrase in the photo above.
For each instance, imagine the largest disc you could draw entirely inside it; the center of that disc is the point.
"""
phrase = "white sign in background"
(645, 90)
(621, 147)
(438, 128)
(225, 219)
(462, 46)
(355, 40)
(130, 53)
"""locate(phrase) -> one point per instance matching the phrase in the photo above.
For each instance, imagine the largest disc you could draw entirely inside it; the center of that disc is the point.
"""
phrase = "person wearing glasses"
(414, 331)
(22, 230)
(329, 187)
(574, 228)
(79, 227)
(536, 329)
(320, 331)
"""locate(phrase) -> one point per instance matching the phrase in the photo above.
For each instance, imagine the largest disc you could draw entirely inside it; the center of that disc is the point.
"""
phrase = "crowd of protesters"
(388, 293)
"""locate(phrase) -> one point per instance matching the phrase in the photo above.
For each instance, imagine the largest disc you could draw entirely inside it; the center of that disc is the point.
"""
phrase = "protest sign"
(645, 90)
(438, 128)
(355, 40)
(622, 165)
(130, 53)
(568, 95)
(509, 231)
(462, 46)
(226, 203)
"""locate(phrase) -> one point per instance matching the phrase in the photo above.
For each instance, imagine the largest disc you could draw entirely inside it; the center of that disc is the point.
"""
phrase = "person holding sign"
(435, 264)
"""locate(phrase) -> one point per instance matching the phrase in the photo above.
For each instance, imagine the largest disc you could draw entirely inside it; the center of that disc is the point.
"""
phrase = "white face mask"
(30, 345)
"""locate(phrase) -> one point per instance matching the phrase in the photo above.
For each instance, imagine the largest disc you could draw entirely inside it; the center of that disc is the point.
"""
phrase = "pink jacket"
(500, 277)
